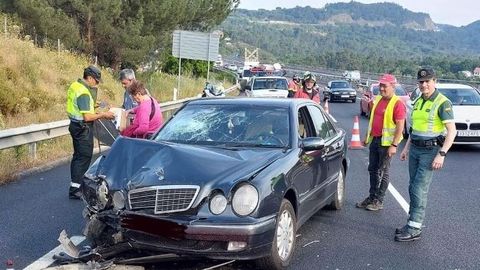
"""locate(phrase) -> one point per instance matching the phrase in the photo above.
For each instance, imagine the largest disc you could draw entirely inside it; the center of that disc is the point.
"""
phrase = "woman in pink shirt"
(148, 117)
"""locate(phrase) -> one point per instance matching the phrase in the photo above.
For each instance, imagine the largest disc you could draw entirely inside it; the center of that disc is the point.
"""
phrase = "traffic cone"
(355, 143)
(325, 106)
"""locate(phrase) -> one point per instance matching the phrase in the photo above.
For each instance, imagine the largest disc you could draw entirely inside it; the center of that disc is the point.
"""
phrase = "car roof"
(339, 81)
(274, 102)
(452, 85)
(269, 77)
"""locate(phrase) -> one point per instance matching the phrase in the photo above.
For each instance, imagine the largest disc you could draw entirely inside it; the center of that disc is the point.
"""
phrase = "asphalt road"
(35, 209)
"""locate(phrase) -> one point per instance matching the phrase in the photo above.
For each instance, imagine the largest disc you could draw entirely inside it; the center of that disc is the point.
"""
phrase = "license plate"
(468, 133)
(345, 96)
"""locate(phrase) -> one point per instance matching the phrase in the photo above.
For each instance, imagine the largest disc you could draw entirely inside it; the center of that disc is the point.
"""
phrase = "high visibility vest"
(425, 120)
(75, 90)
(388, 130)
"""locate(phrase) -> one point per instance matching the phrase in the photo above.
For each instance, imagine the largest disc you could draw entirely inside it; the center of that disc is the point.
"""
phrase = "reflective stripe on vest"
(75, 90)
(425, 121)
(388, 130)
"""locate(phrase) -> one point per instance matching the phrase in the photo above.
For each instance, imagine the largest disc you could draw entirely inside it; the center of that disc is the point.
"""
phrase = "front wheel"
(339, 197)
(284, 240)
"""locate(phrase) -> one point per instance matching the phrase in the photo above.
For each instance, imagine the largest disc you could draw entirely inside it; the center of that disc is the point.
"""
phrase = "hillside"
(369, 37)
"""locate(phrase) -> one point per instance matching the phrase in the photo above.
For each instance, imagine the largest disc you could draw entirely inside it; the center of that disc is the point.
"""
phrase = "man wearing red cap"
(385, 132)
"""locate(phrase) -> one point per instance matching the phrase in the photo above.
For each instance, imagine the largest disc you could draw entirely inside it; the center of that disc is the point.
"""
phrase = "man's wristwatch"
(442, 153)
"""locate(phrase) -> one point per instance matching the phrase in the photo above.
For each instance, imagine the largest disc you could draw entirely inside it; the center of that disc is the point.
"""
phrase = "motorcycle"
(211, 90)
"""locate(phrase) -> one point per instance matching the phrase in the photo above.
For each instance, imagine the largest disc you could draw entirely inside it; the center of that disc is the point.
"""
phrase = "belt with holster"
(425, 143)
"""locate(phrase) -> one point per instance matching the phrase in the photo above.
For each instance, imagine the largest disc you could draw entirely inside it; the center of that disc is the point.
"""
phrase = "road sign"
(195, 45)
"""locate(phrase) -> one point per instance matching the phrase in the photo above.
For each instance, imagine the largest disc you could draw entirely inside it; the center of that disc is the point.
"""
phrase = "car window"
(323, 127)
(339, 85)
(461, 96)
(243, 125)
(270, 83)
(305, 126)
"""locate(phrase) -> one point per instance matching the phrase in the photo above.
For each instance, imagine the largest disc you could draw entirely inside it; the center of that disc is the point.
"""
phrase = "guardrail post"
(32, 150)
(175, 91)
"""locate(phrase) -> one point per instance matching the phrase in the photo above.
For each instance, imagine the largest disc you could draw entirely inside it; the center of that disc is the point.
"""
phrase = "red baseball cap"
(388, 78)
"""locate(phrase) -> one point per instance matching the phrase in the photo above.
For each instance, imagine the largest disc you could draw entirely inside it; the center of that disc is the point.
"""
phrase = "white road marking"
(403, 203)
(47, 259)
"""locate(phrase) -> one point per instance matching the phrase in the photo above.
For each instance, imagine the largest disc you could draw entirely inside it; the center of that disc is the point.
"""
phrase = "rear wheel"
(284, 240)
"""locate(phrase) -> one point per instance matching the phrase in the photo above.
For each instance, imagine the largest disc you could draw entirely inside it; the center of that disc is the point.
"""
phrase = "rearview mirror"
(312, 143)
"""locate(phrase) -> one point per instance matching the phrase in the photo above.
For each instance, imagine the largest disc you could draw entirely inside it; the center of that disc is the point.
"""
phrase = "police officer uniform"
(81, 99)
(428, 119)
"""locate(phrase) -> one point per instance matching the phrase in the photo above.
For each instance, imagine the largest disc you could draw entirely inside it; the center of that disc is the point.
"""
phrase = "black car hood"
(133, 163)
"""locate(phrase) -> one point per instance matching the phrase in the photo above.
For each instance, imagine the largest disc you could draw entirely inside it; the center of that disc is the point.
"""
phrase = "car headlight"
(353, 93)
(119, 200)
(245, 200)
(218, 204)
(102, 195)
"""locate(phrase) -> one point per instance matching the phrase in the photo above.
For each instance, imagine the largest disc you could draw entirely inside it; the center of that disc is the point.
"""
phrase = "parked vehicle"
(339, 90)
(466, 107)
(270, 86)
(223, 178)
(352, 75)
(366, 102)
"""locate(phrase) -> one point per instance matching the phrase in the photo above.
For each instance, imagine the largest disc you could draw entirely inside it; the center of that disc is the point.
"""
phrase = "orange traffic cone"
(325, 106)
(355, 143)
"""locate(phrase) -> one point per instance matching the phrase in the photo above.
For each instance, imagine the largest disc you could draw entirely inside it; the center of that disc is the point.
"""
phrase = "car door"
(330, 162)
(307, 169)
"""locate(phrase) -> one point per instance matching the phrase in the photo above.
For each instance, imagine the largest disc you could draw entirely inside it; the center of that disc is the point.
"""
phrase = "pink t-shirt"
(399, 113)
(142, 125)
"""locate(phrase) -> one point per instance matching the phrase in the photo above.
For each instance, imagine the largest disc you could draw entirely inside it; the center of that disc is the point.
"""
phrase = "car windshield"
(461, 96)
(270, 83)
(339, 85)
(230, 125)
(399, 90)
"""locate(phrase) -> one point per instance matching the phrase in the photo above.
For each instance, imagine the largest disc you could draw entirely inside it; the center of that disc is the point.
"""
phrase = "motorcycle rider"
(308, 90)
(294, 85)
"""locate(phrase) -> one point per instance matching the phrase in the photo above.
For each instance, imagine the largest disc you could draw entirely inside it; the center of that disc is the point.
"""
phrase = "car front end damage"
(115, 232)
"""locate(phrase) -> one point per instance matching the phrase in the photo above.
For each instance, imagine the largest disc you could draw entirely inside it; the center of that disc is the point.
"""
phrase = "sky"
(453, 12)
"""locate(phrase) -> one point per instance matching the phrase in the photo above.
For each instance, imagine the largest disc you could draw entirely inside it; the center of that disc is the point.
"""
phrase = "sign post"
(195, 46)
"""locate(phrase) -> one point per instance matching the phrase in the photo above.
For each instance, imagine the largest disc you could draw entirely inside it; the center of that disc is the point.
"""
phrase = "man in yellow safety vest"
(385, 132)
(81, 98)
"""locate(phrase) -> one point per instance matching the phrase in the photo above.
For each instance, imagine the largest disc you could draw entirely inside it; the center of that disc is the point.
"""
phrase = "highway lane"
(35, 209)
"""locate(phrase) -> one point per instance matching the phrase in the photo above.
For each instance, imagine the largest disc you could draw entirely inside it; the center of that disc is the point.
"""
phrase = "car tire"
(354, 100)
(280, 257)
(339, 198)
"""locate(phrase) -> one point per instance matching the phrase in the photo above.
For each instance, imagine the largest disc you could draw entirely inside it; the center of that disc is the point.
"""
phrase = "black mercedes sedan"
(228, 178)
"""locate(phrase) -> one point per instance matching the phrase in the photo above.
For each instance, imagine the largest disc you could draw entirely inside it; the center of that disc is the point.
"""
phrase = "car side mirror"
(312, 143)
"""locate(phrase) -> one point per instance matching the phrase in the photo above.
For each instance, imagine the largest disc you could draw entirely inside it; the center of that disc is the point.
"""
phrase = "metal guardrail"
(38, 132)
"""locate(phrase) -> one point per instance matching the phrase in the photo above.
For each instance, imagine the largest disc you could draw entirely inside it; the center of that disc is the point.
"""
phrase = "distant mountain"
(367, 32)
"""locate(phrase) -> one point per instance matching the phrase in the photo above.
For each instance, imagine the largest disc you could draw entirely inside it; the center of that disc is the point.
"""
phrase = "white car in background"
(466, 109)
(270, 86)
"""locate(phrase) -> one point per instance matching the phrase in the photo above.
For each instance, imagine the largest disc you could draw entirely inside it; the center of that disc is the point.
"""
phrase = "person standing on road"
(308, 90)
(385, 132)
(431, 135)
(294, 85)
(127, 77)
(81, 99)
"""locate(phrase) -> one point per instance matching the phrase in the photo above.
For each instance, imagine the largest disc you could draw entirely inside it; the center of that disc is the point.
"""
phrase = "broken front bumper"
(198, 237)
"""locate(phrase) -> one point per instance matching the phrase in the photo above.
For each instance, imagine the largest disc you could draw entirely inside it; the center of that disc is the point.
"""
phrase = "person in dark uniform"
(431, 135)
(81, 98)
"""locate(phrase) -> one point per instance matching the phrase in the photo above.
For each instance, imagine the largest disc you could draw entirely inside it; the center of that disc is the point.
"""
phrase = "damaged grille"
(163, 199)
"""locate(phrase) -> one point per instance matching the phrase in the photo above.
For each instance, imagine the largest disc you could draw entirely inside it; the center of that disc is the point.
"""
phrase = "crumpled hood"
(132, 164)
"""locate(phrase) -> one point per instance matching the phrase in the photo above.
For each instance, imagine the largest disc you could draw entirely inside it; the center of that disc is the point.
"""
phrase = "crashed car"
(224, 178)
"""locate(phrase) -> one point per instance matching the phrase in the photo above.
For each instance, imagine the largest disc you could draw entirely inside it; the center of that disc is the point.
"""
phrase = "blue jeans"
(421, 172)
(378, 167)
